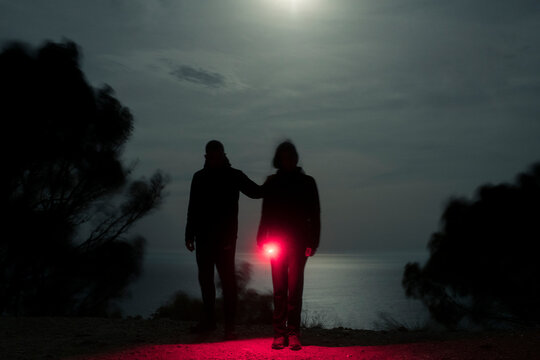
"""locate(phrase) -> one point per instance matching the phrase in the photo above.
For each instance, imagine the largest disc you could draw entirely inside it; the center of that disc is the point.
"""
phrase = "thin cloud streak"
(199, 76)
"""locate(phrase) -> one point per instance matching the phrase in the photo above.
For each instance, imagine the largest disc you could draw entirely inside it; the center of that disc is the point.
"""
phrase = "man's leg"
(297, 263)
(226, 268)
(279, 282)
(205, 264)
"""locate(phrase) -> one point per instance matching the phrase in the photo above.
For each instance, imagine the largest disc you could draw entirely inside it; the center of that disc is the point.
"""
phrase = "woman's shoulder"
(278, 180)
(307, 178)
(270, 179)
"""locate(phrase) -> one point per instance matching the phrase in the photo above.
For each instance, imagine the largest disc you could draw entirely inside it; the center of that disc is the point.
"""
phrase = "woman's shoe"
(279, 343)
(294, 342)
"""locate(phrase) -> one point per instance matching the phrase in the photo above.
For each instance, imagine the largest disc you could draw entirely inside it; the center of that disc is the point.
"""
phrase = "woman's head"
(286, 156)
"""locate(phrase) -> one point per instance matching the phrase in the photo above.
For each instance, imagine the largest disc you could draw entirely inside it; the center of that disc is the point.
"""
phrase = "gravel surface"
(107, 339)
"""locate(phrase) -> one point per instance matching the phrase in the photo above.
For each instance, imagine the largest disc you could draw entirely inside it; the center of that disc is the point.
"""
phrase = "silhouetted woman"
(290, 219)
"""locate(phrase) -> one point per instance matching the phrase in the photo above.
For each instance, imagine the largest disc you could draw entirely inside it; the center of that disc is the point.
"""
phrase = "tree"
(483, 265)
(66, 199)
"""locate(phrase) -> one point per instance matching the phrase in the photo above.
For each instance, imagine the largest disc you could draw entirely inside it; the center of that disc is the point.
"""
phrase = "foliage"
(65, 195)
(180, 307)
(253, 307)
(483, 267)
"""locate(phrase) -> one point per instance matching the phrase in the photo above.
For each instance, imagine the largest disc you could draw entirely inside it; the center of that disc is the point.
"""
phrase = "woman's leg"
(297, 263)
(279, 281)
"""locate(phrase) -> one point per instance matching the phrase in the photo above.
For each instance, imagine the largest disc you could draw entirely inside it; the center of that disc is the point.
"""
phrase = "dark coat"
(291, 209)
(213, 205)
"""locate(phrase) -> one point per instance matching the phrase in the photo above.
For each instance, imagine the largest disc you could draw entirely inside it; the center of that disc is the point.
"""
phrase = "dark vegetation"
(66, 201)
(484, 266)
(253, 308)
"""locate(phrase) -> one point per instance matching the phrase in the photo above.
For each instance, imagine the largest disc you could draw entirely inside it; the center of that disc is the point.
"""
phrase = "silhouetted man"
(212, 224)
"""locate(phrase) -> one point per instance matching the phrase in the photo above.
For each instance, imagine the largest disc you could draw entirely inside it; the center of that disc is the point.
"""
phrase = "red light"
(271, 250)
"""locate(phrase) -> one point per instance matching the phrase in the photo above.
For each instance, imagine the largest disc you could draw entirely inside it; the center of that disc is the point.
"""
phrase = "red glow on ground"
(251, 349)
(509, 347)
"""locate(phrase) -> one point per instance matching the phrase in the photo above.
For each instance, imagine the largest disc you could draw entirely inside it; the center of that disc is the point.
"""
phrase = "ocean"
(356, 291)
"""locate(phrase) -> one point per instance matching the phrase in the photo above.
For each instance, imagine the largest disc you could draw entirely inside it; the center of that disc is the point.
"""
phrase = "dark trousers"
(223, 260)
(288, 282)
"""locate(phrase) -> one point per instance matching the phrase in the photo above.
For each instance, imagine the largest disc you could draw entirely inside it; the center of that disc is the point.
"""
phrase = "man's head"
(215, 154)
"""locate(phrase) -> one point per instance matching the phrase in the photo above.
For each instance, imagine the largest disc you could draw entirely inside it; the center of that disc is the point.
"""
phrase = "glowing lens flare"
(271, 250)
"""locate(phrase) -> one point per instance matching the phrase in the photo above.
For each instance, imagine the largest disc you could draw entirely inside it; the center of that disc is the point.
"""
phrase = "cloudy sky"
(394, 105)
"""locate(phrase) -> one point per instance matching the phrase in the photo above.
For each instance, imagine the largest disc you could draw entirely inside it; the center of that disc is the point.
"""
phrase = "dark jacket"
(213, 205)
(291, 210)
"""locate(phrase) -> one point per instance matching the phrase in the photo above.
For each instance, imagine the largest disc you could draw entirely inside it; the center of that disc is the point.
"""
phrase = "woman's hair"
(285, 147)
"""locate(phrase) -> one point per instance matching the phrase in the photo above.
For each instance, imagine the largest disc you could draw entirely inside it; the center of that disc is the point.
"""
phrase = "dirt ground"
(130, 339)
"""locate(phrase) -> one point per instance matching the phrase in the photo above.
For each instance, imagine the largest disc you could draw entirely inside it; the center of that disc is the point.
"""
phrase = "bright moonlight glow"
(293, 5)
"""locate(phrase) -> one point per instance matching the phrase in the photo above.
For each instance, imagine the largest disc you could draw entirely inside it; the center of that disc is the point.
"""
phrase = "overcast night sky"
(394, 105)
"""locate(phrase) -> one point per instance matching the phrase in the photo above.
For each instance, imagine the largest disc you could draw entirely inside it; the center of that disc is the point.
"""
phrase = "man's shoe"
(294, 342)
(203, 328)
(279, 342)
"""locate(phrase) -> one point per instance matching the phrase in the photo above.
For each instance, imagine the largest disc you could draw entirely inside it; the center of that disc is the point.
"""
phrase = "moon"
(291, 5)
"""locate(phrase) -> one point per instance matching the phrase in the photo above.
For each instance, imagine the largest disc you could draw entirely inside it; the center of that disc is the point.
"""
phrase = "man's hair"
(214, 146)
(284, 147)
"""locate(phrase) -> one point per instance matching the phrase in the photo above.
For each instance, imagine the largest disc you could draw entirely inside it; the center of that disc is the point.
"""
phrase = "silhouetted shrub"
(180, 307)
(483, 266)
(65, 197)
(253, 307)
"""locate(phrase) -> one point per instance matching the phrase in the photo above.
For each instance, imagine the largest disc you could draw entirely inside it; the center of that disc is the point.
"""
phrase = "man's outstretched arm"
(249, 188)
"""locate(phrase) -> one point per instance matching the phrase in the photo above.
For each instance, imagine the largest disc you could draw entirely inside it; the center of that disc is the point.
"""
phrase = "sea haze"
(350, 290)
